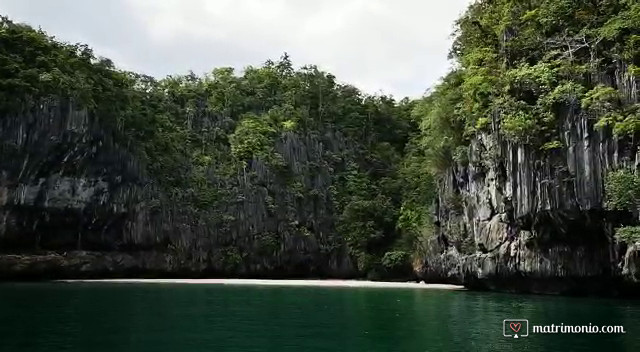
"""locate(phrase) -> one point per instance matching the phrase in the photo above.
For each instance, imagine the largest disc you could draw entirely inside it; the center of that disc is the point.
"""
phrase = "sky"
(397, 47)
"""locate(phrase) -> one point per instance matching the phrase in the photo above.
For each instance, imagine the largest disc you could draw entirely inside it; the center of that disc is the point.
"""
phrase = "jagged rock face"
(631, 263)
(67, 184)
(532, 220)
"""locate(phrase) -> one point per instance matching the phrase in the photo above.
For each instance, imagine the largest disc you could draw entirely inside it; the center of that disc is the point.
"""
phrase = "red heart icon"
(515, 326)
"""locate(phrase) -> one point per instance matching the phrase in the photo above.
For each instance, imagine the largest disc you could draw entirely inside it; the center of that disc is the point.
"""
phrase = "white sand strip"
(322, 283)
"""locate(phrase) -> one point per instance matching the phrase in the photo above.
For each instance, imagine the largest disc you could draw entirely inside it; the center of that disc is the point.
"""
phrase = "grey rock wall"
(535, 220)
(67, 184)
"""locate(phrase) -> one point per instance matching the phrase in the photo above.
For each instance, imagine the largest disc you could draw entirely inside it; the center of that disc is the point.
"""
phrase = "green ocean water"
(182, 317)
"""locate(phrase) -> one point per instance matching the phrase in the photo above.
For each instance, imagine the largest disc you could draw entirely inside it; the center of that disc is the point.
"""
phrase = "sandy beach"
(319, 283)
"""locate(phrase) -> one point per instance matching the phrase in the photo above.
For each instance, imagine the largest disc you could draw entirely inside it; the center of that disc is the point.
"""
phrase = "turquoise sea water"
(182, 317)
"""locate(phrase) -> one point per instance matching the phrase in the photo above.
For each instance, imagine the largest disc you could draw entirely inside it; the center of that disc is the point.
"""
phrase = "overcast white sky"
(395, 47)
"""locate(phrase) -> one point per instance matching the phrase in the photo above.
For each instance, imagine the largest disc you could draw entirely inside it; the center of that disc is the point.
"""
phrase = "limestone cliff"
(275, 171)
(518, 218)
(75, 203)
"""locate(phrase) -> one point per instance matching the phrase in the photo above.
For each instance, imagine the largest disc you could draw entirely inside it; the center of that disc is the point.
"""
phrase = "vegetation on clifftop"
(623, 194)
(522, 65)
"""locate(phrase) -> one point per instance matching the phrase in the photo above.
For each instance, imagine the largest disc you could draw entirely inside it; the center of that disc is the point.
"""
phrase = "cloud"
(395, 47)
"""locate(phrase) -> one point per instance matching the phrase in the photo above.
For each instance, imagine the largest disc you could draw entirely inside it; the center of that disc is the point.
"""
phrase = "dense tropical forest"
(250, 164)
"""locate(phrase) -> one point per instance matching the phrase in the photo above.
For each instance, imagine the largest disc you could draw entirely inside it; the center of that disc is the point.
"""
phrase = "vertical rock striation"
(518, 218)
(76, 202)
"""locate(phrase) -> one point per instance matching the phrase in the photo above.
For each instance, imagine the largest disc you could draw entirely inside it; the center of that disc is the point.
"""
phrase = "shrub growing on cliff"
(442, 125)
(622, 189)
(395, 260)
(628, 234)
(525, 64)
(253, 138)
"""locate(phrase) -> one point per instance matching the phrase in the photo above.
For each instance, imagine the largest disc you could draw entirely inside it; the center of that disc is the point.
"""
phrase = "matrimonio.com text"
(517, 328)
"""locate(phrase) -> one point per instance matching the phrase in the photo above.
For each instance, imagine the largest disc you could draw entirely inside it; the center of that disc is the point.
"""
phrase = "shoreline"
(263, 282)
